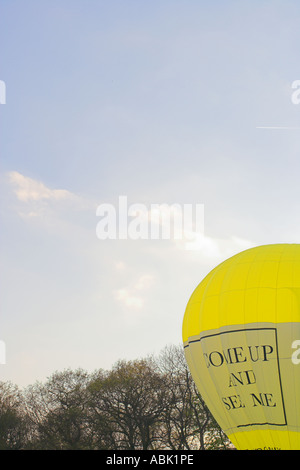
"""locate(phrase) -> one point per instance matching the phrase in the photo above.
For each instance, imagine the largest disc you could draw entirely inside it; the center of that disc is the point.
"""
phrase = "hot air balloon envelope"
(241, 334)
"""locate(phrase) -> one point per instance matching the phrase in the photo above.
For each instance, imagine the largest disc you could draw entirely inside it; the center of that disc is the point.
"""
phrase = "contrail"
(277, 127)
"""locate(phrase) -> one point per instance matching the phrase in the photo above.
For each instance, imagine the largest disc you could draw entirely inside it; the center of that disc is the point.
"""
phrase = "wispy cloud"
(128, 298)
(34, 199)
(214, 248)
(28, 189)
(134, 296)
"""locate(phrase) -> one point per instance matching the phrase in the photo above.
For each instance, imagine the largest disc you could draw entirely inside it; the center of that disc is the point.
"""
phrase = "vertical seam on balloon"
(291, 326)
(257, 319)
(222, 311)
(280, 261)
(260, 288)
(245, 293)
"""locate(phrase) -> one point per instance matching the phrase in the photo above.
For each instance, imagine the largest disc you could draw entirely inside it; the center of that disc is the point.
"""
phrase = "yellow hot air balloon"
(241, 334)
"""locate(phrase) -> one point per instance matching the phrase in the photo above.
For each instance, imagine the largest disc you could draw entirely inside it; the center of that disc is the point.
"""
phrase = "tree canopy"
(145, 404)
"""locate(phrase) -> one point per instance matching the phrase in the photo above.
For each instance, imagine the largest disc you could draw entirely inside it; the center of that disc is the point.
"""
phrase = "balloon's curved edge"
(250, 300)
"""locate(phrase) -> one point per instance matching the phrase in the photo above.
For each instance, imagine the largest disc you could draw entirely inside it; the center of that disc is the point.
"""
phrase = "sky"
(164, 102)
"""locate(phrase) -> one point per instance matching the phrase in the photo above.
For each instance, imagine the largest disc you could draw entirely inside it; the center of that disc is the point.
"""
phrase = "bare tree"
(58, 411)
(149, 403)
(14, 424)
(131, 400)
(188, 424)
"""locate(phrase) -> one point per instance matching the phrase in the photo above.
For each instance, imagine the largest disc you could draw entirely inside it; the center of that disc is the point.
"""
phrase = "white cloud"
(127, 298)
(134, 296)
(120, 266)
(144, 282)
(36, 201)
(27, 189)
(210, 247)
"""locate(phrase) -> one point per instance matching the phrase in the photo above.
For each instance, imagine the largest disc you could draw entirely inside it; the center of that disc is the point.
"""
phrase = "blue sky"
(159, 101)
